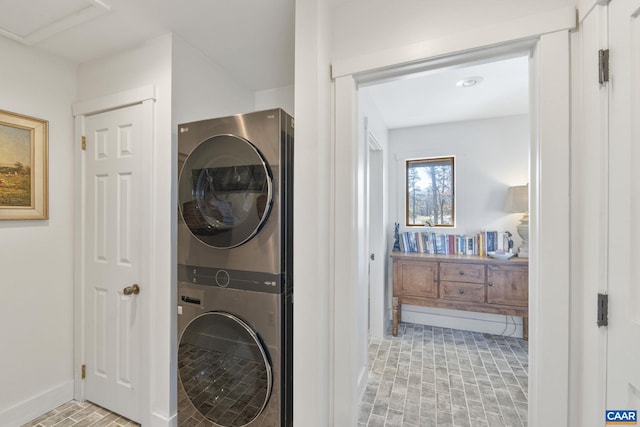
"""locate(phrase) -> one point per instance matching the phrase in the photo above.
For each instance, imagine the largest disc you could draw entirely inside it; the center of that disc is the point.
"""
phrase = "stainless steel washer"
(233, 363)
(235, 308)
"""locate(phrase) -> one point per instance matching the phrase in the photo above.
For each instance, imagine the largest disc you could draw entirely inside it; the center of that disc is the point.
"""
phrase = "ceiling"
(433, 97)
(252, 39)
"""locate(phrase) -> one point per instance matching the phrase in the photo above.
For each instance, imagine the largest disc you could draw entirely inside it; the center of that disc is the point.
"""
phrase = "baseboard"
(487, 323)
(363, 380)
(158, 420)
(36, 406)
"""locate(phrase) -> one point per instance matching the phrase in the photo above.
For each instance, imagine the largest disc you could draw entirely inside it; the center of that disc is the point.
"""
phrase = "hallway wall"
(36, 257)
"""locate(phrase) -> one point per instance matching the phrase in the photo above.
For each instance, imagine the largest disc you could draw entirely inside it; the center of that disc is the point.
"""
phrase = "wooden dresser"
(461, 282)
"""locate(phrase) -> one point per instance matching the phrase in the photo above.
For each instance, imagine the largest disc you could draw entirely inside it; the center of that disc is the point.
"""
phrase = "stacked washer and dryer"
(235, 289)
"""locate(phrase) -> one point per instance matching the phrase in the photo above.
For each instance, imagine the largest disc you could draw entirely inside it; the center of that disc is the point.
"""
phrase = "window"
(430, 192)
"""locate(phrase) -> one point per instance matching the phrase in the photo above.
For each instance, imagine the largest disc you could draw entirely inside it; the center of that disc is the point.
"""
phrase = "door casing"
(549, 224)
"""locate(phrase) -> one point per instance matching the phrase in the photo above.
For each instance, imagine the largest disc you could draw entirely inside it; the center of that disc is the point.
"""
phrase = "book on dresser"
(430, 242)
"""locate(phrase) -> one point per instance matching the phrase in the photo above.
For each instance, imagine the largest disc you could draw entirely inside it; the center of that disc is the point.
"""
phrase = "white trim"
(585, 7)
(159, 420)
(114, 101)
(549, 302)
(32, 408)
(79, 251)
(347, 270)
(529, 27)
(486, 323)
(374, 144)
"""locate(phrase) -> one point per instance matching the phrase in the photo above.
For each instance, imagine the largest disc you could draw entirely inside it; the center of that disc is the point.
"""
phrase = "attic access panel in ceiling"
(31, 21)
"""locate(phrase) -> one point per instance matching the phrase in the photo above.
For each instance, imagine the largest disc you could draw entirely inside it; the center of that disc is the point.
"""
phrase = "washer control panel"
(233, 279)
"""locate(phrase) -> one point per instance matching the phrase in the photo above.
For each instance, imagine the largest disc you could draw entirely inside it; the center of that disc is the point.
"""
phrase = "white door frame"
(548, 38)
(145, 96)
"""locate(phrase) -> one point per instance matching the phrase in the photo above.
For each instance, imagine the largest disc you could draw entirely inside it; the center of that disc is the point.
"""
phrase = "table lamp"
(517, 201)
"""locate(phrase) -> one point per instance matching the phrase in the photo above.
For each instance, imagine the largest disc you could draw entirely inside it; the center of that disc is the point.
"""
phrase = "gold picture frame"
(23, 167)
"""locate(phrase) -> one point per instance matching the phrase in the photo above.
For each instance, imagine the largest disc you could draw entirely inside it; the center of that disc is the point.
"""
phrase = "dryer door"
(224, 369)
(225, 191)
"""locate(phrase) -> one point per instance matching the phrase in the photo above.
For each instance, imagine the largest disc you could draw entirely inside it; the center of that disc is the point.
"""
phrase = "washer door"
(225, 191)
(224, 369)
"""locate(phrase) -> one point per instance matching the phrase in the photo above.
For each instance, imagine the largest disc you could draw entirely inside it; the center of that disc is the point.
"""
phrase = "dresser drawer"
(462, 291)
(454, 272)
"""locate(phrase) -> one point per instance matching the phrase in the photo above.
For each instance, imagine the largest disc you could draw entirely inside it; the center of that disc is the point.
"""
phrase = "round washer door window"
(225, 191)
(224, 369)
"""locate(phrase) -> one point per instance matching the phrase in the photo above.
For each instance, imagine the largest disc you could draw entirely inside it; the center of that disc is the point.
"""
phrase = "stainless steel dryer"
(235, 192)
(235, 288)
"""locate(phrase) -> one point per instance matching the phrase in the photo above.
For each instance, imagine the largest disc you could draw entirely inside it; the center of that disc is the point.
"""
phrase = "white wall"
(490, 156)
(361, 27)
(36, 257)
(312, 270)
(281, 97)
(203, 89)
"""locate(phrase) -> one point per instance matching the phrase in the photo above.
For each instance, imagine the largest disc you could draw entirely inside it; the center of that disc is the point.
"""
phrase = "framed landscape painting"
(23, 167)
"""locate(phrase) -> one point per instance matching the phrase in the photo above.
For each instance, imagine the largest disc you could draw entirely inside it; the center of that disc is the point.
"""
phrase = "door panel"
(623, 370)
(113, 210)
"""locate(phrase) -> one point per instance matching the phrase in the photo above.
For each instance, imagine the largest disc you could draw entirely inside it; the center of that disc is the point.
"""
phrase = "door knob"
(131, 290)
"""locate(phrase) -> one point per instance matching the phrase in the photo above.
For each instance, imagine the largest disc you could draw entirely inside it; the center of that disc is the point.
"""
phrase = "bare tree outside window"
(430, 192)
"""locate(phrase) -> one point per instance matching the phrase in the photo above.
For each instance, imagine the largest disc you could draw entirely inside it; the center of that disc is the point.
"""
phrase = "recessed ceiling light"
(469, 81)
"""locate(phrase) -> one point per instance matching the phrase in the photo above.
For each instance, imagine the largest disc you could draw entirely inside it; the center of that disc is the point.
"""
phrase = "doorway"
(548, 277)
(477, 113)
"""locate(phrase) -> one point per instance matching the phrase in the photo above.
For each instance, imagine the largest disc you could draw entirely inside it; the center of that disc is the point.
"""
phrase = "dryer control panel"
(234, 279)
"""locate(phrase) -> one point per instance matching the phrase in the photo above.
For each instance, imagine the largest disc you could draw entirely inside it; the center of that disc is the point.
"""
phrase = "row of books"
(454, 244)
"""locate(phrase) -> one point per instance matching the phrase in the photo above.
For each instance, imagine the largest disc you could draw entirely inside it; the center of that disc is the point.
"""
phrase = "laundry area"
(174, 258)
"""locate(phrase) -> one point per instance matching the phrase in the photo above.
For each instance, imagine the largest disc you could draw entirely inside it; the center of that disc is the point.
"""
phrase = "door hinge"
(603, 66)
(603, 310)
(84, 142)
(84, 371)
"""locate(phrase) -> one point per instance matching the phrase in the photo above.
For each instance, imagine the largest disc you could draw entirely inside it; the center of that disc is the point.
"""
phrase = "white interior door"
(623, 370)
(375, 188)
(113, 213)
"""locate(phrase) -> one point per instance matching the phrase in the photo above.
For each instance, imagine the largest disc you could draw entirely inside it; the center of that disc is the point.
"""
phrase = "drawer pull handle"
(462, 273)
(461, 291)
(490, 283)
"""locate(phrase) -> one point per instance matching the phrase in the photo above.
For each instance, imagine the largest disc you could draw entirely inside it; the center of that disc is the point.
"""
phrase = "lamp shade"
(517, 200)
